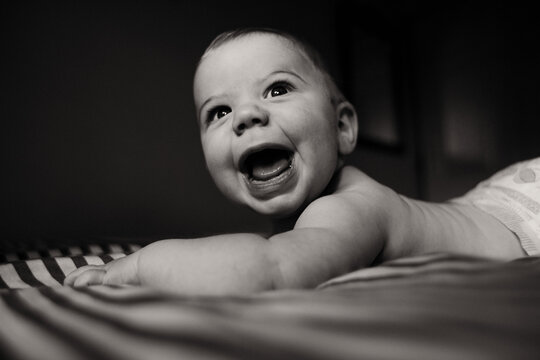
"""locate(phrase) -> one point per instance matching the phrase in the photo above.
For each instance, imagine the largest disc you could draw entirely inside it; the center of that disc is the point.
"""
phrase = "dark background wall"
(98, 127)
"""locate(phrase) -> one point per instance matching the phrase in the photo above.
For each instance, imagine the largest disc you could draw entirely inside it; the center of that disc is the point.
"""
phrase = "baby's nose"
(248, 116)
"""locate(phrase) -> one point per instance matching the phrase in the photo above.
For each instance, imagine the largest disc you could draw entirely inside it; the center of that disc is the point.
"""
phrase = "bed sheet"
(437, 306)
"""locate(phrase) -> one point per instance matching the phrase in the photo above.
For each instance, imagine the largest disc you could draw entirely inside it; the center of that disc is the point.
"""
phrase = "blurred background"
(99, 137)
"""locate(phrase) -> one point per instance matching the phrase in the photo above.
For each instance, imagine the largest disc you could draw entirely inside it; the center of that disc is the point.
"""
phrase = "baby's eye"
(218, 113)
(279, 89)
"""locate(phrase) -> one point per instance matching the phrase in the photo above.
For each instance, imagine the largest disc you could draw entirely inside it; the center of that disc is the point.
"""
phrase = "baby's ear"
(347, 127)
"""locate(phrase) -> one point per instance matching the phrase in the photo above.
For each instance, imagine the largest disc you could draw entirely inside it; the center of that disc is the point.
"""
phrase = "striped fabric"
(429, 307)
(49, 267)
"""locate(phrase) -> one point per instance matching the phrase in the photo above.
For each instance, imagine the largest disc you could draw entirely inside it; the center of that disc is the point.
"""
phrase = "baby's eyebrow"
(277, 72)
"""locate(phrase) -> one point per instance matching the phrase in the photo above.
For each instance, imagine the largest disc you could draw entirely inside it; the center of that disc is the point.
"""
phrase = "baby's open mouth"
(266, 164)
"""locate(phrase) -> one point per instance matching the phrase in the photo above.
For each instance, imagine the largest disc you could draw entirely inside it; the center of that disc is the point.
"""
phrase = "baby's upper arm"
(335, 234)
(343, 214)
(356, 208)
(353, 217)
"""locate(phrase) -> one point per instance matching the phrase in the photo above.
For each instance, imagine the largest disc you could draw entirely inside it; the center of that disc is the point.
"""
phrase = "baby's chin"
(279, 207)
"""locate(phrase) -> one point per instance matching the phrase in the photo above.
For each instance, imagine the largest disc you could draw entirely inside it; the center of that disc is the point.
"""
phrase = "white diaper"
(513, 196)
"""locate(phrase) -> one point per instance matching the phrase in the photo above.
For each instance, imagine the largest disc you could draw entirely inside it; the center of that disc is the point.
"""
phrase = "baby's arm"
(213, 265)
(236, 263)
(334, 235)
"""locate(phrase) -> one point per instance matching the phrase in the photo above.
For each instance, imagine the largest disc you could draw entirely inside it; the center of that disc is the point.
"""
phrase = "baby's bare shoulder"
(355, 198)
(351, 178)
(354, 186)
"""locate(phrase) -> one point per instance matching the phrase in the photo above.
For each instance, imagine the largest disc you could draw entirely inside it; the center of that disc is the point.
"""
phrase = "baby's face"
(268, 127)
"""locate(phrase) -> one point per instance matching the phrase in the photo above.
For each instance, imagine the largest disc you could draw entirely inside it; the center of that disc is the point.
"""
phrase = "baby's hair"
(308, 51)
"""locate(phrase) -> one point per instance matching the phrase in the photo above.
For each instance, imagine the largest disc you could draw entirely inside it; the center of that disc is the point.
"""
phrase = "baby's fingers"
(70, 278)
(87, 275)
(90, 277)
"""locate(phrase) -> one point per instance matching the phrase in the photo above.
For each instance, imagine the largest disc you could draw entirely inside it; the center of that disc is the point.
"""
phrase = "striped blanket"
(429, 307)
(49, 267)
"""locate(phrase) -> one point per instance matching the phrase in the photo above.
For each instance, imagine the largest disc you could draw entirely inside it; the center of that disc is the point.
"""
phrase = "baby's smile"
(266, 164)
(267, 169)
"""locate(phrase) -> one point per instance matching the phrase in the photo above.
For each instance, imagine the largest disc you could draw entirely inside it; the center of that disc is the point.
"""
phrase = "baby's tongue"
(269, 165)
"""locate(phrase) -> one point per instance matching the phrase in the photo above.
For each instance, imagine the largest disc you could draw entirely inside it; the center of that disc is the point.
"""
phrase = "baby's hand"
(117, 272)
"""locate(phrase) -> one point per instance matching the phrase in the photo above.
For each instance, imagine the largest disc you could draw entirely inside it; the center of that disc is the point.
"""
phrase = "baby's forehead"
(252, 56)
(260, 42)
(272, 40)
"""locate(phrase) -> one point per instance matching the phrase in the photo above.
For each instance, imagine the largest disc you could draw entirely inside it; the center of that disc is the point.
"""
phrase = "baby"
(274, 130)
